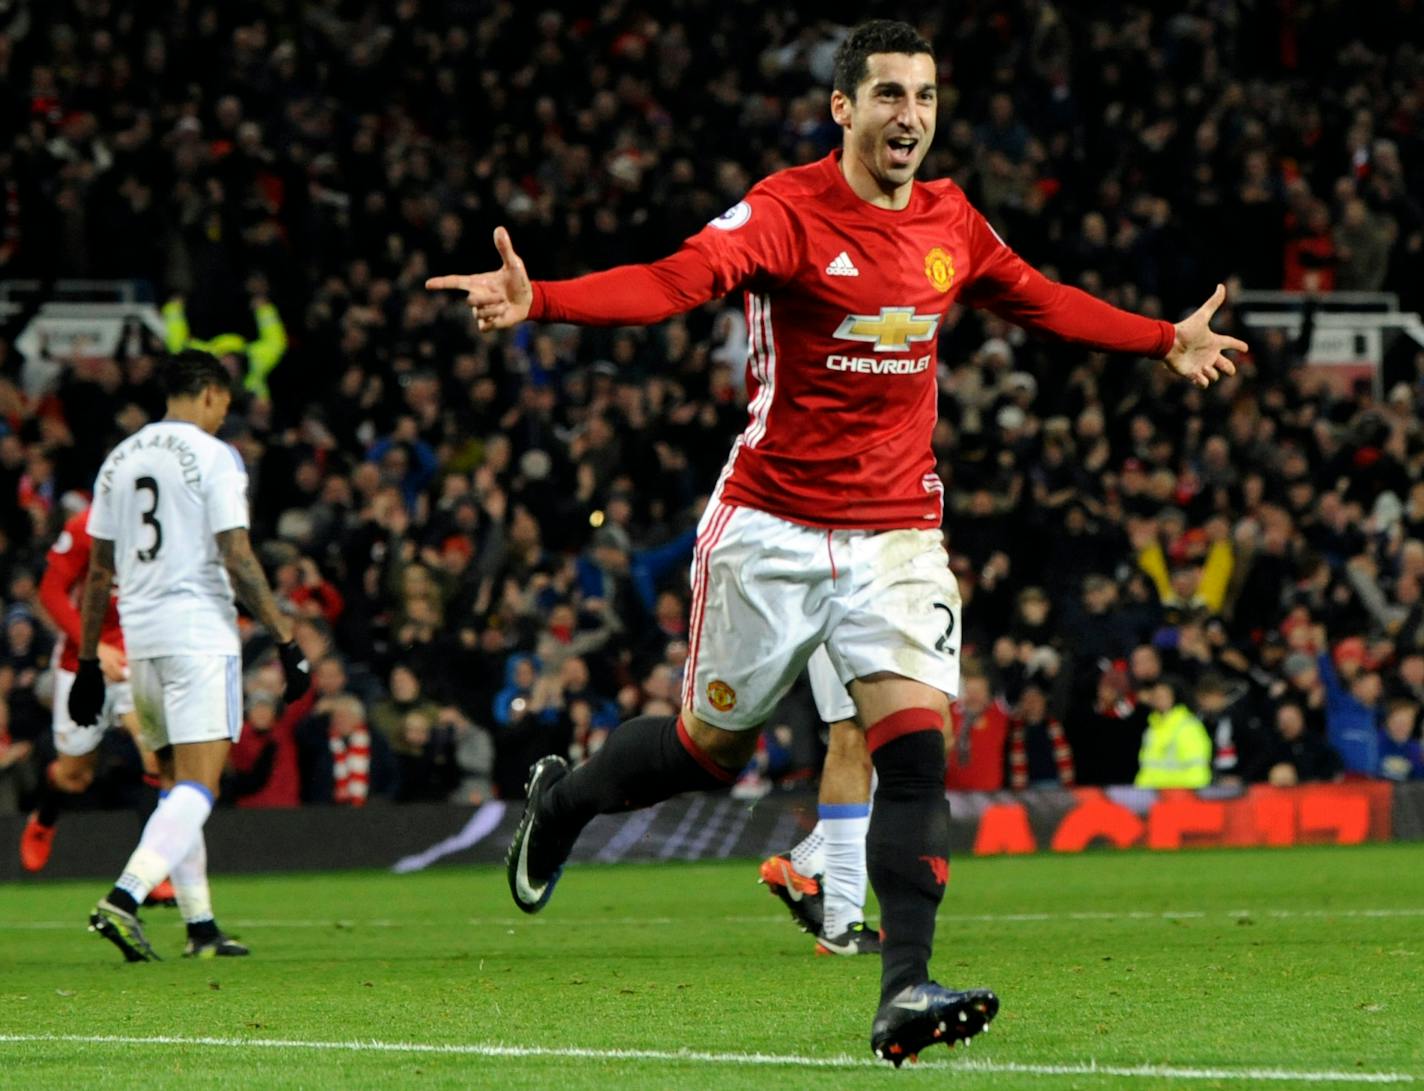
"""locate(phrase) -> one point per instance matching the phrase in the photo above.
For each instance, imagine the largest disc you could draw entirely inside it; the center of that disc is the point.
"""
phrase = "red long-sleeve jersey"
(844, 301)
(66, 568)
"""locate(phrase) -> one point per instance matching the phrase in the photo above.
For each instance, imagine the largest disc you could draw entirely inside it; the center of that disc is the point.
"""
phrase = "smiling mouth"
(902, 150)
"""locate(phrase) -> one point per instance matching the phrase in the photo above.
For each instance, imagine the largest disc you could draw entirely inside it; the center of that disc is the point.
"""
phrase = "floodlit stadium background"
(489, 537)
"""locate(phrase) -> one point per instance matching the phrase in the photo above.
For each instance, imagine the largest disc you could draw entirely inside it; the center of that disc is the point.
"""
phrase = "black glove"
(86, 696)
(296, 669)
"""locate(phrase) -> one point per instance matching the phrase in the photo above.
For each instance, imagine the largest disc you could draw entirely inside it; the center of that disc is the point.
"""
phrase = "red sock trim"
(151, 779)
(905, 722)
(726, 776)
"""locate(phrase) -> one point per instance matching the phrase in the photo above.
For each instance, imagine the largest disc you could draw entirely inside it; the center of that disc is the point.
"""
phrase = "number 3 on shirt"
(152, 486)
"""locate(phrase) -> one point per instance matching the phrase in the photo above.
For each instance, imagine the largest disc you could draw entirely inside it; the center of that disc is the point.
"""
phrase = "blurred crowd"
(487, 538)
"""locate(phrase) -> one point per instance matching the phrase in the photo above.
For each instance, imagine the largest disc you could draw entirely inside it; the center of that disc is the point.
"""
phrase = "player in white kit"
(169, 519)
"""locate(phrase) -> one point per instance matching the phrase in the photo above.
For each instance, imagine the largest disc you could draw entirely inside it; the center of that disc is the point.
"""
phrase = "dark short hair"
(188, 373)
(852, 62)
(1172, 682)
(1211, 682)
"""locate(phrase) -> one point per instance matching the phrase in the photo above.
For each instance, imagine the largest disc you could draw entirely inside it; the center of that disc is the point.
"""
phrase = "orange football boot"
(801, 893)
(35, 845)
(162, 894)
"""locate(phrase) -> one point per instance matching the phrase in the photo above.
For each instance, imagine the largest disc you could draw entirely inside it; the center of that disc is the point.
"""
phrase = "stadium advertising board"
(417, 836)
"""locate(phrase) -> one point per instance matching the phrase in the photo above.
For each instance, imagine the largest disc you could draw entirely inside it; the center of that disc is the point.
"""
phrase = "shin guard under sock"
(646, 760)
(907, 848)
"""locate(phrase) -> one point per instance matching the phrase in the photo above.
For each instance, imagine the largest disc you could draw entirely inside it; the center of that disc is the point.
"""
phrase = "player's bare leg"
(171, 844)
(908, 854)
(152, 768)
(155, 777)
(190, 874)
(646, 760)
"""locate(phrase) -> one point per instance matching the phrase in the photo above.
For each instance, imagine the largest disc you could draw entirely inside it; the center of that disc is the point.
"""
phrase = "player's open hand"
(1196, 355)
(500, 299)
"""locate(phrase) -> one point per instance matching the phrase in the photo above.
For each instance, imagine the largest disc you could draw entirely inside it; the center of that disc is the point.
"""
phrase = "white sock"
(845, 826)
(168, 837)
(190, 884)
(809, 856)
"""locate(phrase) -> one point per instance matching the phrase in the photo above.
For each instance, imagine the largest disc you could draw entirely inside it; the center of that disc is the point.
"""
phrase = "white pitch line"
(340, 923)
(1172, 1072)
(764, 918)
(478, 1049)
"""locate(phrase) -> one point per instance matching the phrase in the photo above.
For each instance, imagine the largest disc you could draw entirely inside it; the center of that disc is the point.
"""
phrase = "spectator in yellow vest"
(1176, 749)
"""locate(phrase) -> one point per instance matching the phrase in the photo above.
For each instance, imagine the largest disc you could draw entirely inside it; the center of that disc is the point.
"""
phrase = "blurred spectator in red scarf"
(977, 737)
(1039, 754)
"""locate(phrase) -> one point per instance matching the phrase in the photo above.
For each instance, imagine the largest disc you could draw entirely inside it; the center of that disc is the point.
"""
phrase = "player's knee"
(908, 754)
(72, 778)
(729, 749)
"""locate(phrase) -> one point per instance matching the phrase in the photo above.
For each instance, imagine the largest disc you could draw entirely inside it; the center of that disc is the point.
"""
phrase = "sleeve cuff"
(538, 307)
(1167, 336)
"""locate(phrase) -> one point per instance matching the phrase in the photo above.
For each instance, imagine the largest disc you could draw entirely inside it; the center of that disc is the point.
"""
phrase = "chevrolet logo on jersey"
(894, 328)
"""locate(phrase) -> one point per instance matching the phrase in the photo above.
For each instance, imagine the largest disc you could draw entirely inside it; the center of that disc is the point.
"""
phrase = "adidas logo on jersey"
(842, 266)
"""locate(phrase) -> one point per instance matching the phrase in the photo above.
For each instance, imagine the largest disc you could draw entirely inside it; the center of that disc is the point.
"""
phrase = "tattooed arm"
(94, 603)
(249, 582)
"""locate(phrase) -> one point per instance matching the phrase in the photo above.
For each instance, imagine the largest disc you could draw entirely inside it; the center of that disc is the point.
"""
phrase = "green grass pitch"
(1300, 967)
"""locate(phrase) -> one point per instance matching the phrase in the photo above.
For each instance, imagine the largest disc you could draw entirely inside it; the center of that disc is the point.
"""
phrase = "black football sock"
(646, 760)
(121, 899)
(201, 931)
(49, 800)
(907, 848)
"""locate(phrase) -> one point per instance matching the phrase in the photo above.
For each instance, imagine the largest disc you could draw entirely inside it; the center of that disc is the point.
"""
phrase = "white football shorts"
(187, 698)
(69, 737)
(766, 593)
(832, 699)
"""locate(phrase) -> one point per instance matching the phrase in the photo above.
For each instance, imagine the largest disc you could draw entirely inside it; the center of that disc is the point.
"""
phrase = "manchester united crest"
(721, 696)
(939, 268)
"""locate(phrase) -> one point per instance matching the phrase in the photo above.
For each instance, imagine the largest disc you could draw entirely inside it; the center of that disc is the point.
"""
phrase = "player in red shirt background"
(76, 747)
(824, 526)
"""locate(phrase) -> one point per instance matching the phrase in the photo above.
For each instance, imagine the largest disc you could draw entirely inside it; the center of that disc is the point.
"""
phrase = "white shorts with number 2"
(767, 593)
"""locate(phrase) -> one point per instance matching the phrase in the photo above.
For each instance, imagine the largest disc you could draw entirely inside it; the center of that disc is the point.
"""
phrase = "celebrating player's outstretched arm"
(1196, 354)
(500, 299)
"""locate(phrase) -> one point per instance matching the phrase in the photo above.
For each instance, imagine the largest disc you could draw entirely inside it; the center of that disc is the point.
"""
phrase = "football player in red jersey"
(72, 771)
(824, 526)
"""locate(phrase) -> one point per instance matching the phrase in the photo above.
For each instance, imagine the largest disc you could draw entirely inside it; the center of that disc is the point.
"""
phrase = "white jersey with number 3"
(161, 496)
